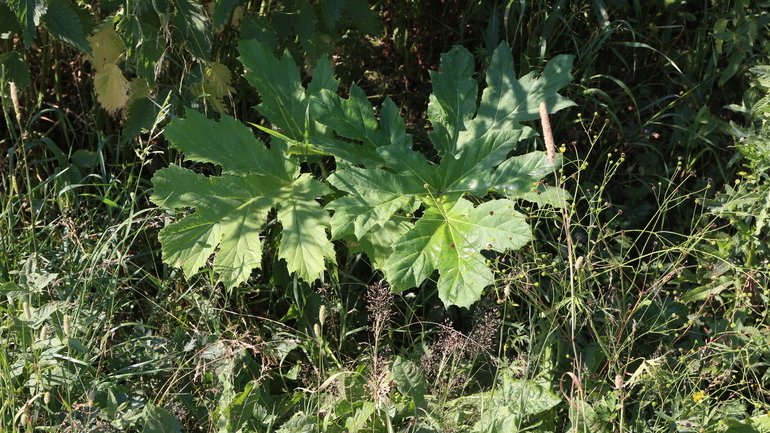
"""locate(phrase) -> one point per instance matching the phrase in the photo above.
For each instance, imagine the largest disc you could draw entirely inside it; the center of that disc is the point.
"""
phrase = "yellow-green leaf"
(112, 88)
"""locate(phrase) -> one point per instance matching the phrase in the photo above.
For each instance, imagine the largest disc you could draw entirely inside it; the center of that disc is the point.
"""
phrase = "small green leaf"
(409, 381)
(107, 48)
(159, 420)
(13, 68)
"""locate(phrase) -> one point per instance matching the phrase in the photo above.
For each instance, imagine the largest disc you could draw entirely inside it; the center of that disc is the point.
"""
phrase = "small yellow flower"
(698, 396)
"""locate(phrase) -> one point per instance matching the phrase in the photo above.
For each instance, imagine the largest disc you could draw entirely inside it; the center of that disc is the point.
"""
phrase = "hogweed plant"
(410, 214)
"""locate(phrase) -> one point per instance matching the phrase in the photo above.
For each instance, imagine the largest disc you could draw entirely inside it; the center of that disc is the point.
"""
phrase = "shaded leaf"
(13, 68)
(28, 13)
(192, 27)
(160, 420)
(63, 23)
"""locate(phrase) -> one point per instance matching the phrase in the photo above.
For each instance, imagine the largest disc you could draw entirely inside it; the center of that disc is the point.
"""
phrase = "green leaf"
(409, 381)
(278, 82)
(13, 68)
(8, 23)
(299, 423)
(229, 144)
(453, 102)
(506, 102)
(193, 28)
(159, 420)
(107, 48)
(352, 118)
(375, 196)
(230, 210)
(63, 23)
(222, 11)
(111, 88)
(362, 16)
(304, 244)
(28, 12)
(450, 240)
(525, 397)
(451, 234)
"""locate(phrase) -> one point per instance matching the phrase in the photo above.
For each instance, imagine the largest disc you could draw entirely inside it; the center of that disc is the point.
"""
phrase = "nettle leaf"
(474, 143)
(192, 26)
(230, 210)
(111, 88)
(28, 13)
(63, 23)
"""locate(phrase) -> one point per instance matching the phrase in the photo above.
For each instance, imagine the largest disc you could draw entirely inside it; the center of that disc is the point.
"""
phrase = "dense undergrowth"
(635, 298)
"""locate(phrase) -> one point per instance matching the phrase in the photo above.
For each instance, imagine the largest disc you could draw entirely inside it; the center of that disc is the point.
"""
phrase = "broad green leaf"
(524, 397)
(474, 145)
(450, 240)
(216, 84)
(453, 102)
(521, 174)
(160, 420)
(278, 82)
(299, 423)
(222, 11)
(506, 102)
(229, 144)
(231, 209)
(362, 16)
(393, 124)
(352, 118)
(474, 170)
(323, 78)
(8, 23)
(409, 380)
(375, 196)
(111, 88)
(63, 23)
(304, 244)
(305, 25)
(193, 28)
(378, 244)
(28, 13)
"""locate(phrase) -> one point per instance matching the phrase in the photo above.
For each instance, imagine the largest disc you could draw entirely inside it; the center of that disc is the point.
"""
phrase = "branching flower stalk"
(550, 147)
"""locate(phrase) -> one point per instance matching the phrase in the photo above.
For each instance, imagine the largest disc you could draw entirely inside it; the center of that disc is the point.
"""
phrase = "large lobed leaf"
(451, 234)
(231, 209)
